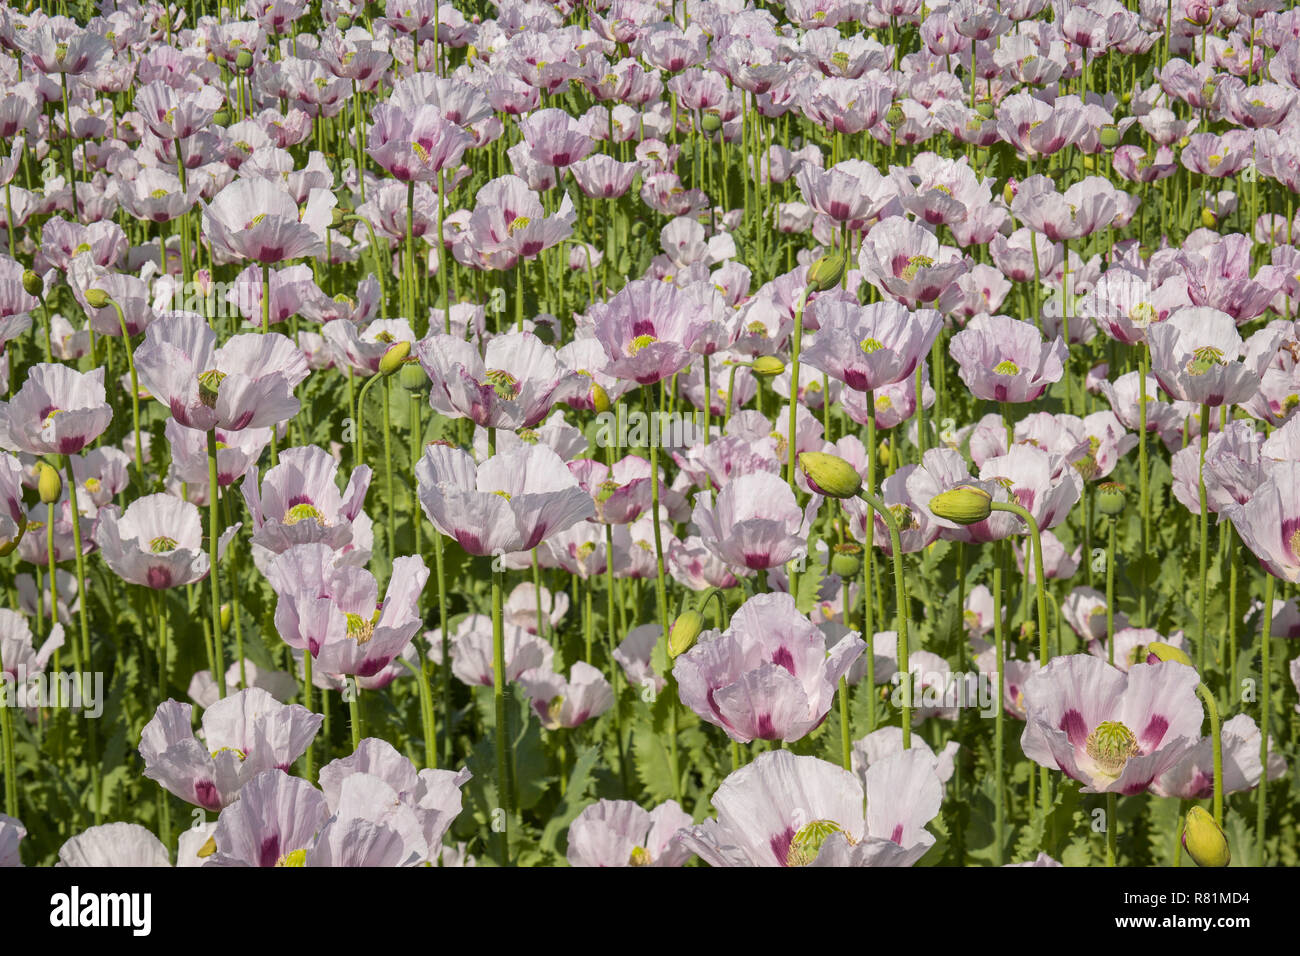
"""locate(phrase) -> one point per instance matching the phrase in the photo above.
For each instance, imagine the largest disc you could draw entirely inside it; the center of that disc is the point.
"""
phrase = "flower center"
(1111, 745)
(870, 345)
(242, 755)
(360, 629)
(519, 222)
(915, 265)
(209, 384)
(1142, 314)
(162, 544)
(1006, 367)
(503, 383)
(1205, 359)
(640, 342)
(807, 843)
(293, 858)
(640, 857)
(304, 512)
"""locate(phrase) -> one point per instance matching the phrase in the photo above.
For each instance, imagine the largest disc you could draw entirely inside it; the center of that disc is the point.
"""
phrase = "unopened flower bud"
(32, 283)
(767, 366)
(49, 484)
(1158, 651)
(1010, 189)
(599, 398)
(96, 298)
(394, 357)
(965, 504)
(1111, 498)
(1208, 219)
(225, 617)
(687, 627)
(826, 272)
(830, 475)
(1204, 840)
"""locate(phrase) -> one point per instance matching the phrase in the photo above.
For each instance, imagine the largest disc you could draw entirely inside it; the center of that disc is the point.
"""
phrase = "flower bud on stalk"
(225, 618)
(1109, 136)
(394, 357)
(687, 627)
(243, 60)
(711, 122)
(96, 298)
(767, 366)
(32, 283)
(830, 475)
(1160, 651)
(826, 272)
(49, 484)
(599, 398)
(963, 505)
(1204, 840)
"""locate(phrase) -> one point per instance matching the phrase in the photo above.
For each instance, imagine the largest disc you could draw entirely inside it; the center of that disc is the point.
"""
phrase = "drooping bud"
(1208, 219)
(830, 475)
(966, 504)
(1111, 498)
(1010, 189)
(394, 357)
(96, 298)
(1160, 651)
(1204, 840)
(682, 635)
(599, 398)
(767, 366)
(49, 484)
(32, 283)
(826, 272)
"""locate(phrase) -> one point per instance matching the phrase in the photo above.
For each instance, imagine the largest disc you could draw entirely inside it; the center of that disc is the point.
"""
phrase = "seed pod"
(243, 60)
(1111, 498)
(711, 122)
(1109, 136)
(846, 560)
(412, 377)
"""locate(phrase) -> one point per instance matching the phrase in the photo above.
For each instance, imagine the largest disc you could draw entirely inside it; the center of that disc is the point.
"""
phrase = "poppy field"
(649, 433)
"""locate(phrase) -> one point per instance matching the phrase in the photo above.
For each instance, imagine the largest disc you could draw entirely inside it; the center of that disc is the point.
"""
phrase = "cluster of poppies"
(773, 434)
